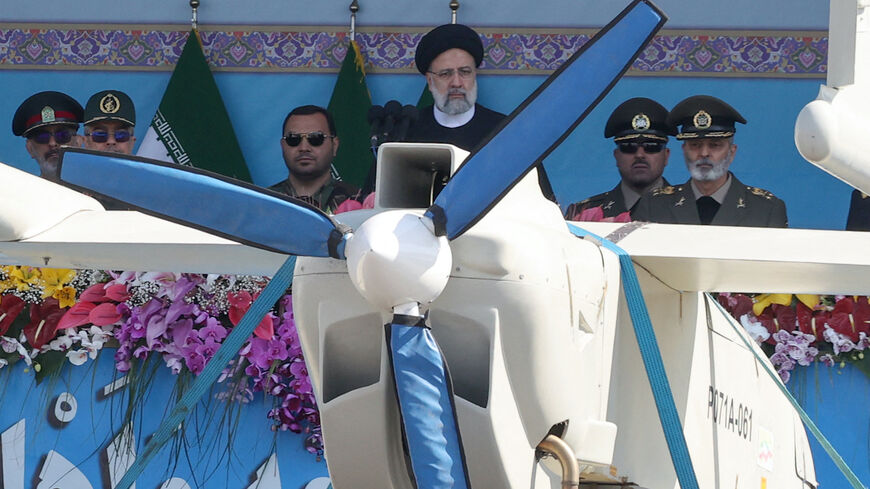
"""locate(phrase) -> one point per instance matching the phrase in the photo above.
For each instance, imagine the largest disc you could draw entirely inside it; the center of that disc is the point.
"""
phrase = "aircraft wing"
(741, 259)
(129, 240)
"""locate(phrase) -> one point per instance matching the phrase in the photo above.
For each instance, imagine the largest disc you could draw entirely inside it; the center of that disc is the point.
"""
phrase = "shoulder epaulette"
(668, 190)
(760, 192)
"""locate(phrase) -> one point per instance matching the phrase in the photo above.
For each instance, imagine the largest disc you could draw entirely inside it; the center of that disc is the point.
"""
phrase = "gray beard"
(455, 106)
(719, 169)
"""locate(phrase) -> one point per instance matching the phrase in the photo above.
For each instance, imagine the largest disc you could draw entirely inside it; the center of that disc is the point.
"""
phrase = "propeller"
(398, 260)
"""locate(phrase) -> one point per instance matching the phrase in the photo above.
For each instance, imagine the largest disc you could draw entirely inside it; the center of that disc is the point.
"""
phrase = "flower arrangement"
(802, 329)
(49, 317)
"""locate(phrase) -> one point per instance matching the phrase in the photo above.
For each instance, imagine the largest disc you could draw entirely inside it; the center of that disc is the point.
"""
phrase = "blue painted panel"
(836, 400)
(207, 458)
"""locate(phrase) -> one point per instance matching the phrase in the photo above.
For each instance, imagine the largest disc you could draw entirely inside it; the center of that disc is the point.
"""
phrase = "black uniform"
(466, 136)
(859, 212)
(743, 206)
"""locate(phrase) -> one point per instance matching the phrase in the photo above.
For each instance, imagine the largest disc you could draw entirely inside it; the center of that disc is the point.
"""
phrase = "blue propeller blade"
(540, 123)
(425, 396)
(203, 200)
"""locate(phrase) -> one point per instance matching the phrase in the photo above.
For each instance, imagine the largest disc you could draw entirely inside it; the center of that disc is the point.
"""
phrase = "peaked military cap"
(639, 118)
(45, 108)
(703, 116)
(110, 105)
(444, 37)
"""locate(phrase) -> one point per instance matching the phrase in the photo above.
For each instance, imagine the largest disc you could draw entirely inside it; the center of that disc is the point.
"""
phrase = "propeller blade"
(425, 395)
(544, 119)
(207, 201)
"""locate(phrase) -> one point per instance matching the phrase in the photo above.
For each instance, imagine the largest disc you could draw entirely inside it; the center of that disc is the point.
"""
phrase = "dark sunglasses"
(314, 138)
(648, 147)
(121, 136)
(61, 136)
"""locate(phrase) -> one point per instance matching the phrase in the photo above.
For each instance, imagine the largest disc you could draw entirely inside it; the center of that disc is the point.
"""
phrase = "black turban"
(444, 37)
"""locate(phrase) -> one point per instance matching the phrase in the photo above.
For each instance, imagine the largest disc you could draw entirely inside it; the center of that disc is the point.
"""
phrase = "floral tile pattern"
(712, 53)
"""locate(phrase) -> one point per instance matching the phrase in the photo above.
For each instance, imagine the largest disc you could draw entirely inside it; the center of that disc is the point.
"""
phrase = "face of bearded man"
(452, 80)
(708, 159)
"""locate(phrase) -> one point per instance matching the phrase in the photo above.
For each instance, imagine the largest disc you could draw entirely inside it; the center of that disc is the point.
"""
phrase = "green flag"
(425, 98)
(349, 106)
(191, 126)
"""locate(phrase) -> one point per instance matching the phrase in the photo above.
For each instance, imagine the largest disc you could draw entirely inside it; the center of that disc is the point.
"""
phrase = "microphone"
(375, 118)
(409, 116)
(393, 110)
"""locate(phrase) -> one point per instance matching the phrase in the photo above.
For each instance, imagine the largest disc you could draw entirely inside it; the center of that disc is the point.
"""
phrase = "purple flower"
(213, 329)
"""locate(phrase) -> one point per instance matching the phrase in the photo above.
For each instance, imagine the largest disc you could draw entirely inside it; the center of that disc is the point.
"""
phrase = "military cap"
(637, 119)
(45, 108)
(110, 105)
(703, 116)
(444, 37)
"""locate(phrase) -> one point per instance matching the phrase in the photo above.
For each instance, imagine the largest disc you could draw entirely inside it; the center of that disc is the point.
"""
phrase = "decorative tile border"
(391, 49)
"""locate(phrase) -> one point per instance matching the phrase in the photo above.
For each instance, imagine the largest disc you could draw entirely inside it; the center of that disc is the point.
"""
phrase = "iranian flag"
(349, 107)
(191, 126)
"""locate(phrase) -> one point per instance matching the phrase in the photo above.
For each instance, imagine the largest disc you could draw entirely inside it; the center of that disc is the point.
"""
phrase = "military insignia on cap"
(702, 120)
(47, 114)
(110, 104)
(640, 122)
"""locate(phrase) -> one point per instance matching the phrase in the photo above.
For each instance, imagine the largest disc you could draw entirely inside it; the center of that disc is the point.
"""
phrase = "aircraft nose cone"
(394, 258)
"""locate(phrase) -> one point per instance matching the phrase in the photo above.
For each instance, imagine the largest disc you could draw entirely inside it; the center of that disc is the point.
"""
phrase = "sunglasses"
(648, 147)
(314, 138)
(61, 136)
(121, 136)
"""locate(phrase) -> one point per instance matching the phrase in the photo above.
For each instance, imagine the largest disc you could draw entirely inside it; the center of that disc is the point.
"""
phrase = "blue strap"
(829, 449)
(652, 361)
(228, 350)
(426, 406)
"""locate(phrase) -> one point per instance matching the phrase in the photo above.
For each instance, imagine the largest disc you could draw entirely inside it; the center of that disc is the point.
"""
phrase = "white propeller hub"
(394, 258)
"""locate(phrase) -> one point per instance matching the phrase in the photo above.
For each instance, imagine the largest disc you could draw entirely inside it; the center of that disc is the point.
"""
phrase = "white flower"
(755, 329)
(61, 343)
(77, 357)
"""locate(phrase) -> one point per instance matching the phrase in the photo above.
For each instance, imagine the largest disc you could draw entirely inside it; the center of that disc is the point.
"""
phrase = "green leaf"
(49, 363)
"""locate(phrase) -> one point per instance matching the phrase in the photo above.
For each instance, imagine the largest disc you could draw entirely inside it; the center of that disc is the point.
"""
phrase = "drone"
(467, 336)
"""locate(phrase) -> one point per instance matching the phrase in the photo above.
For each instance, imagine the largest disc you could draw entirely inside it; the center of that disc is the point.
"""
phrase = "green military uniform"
(742, 206)
(635, 123)
(612, 203)
(328, 198)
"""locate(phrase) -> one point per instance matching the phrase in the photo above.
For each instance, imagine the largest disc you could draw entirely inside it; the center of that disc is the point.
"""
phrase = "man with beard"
(48, 120)
(109, 120)
(309, 143)
(713, 195)
(448, 56)
(640, 130)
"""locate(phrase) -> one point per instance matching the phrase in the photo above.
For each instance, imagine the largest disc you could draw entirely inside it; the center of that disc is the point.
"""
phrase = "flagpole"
(454, 6)
(194, 4)
(354, 8)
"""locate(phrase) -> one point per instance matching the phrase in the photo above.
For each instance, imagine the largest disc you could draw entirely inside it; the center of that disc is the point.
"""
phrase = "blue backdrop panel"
(837, 400)
(207, 456)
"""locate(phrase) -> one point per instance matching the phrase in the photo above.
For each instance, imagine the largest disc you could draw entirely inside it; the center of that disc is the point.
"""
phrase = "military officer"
(48, 120)
(713, 195)
(109, 120)
(640, 130)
